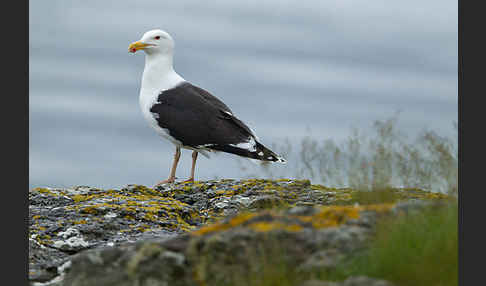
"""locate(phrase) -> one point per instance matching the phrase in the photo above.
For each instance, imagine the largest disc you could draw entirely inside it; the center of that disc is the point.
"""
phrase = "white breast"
(149, 93)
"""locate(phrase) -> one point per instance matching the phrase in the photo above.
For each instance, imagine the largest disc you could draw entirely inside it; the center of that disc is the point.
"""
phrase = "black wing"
(218, 103)
(195, 117)
(208, 96)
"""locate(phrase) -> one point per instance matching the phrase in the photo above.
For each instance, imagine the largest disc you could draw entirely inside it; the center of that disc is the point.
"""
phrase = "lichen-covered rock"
(43, 261)
(322, 260)
(242, 244)
(147, 263)
(182, 227)
(63, 222)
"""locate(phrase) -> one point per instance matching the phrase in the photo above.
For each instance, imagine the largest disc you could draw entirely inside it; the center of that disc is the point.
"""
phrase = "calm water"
(286, 68)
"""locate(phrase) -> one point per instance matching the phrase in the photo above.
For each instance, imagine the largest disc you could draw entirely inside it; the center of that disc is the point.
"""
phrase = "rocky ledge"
(200, 233)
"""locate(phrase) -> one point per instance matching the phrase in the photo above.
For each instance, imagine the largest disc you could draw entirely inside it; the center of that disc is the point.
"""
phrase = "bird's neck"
(159, 73)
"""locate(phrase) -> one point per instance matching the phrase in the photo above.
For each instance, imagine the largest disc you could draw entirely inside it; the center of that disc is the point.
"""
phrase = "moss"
(421, 194)
(374, 197)
(303, 183)
(346, 196)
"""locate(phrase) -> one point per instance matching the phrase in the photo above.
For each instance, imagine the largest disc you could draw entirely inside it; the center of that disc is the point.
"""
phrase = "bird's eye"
(157, 37)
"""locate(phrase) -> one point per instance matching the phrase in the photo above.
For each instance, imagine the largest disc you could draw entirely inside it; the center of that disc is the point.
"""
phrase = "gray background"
(287, 68)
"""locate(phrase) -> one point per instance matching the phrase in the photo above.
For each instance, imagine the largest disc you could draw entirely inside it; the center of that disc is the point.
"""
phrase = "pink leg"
(194, 158)
(171, 178)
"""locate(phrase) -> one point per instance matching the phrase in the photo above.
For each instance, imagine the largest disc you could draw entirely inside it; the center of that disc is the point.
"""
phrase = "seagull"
(187, 115)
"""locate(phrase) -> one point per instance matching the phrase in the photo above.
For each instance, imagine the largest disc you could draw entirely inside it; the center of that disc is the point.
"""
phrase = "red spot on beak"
(133, 50)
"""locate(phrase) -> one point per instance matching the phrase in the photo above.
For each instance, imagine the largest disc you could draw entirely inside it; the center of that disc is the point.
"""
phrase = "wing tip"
(281, 160)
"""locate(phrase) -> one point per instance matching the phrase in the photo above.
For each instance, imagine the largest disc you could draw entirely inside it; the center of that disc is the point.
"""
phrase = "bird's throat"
(159, 73)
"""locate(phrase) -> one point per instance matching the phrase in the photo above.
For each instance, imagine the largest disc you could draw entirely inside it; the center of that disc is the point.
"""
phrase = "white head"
(154, 42)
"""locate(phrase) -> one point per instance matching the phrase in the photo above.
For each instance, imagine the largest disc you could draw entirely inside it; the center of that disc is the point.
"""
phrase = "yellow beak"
(133, 47)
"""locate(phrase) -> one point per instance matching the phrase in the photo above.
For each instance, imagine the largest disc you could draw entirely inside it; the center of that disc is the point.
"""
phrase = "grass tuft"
(418, 248)
(415, 249)
(375, 160)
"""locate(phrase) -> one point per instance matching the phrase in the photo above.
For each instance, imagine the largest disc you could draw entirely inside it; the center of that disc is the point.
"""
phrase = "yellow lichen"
(45, 191)
(83, 221)
(224, 226)
(81, 198)
(129, 217)
(379, 208)
(264, 226)
(331, 216)
(328, 216)
(150, 216)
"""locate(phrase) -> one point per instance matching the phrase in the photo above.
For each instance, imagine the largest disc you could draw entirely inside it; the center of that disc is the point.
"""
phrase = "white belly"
(147, 100)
